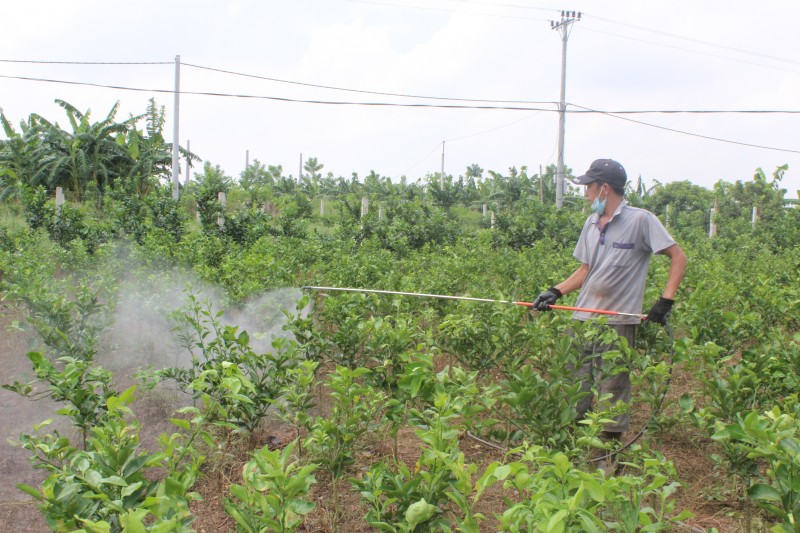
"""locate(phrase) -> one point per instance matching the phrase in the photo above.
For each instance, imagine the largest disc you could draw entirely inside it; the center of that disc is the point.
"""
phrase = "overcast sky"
(622, 56)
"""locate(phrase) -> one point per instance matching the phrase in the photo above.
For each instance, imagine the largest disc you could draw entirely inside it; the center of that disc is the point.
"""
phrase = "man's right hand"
(546, 299)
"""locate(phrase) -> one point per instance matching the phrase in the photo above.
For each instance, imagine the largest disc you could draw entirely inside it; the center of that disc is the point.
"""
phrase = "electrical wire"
(497, 4)
(683, 132)
(420, 161)
(697, 41)
(395, 104)
(492, 129)
(379, 93)
(87, 62)
(401, 95)
(591, 16)
(435, 106)
(276, 98)
(466, 137)
(440, 10)
(692, 51)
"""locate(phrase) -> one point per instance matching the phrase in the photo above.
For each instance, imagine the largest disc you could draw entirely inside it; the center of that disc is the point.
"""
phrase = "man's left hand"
(660, 311)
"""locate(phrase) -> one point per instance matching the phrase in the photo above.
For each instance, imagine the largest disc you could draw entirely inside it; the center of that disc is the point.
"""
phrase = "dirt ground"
(712, 504)
(17, 510)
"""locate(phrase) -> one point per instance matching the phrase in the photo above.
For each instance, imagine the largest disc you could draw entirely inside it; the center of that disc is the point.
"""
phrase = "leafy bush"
(556, 496)
(245, 384)
(104, 487)
(273, 491)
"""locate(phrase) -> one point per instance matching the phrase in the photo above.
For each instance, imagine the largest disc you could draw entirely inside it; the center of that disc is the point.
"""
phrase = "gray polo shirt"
(618, 257)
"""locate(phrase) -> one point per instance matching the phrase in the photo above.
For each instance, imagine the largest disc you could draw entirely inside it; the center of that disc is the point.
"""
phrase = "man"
(614, 250)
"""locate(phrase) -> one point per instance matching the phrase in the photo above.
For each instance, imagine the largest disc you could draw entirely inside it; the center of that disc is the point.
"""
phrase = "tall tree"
(257, 182)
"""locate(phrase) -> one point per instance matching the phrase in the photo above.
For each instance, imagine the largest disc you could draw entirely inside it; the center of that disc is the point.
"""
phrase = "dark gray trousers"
(591, 374)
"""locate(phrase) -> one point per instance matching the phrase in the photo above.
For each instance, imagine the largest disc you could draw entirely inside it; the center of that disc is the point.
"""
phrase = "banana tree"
(150, 157)
(16, 163)
(89, 155)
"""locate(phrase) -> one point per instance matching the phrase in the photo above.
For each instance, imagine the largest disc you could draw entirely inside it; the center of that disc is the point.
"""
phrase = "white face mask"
(598, 205)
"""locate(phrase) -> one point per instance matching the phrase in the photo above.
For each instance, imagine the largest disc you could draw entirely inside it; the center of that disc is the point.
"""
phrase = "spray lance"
(465, 298)
(527, 304)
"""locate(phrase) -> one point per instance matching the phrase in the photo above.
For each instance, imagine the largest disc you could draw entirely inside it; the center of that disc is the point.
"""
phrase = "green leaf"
(301, 507)
(556, 522)
(166, 526)
(686, 403)
(762, 492)
(419, 512)
(133, 521)
(181, 423)
(241, 520)
(589, 525)
(683, 515)
(114, 480)
(27, 489)
(96, 527)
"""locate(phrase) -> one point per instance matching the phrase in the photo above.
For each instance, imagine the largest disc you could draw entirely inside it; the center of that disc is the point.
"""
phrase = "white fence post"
(59, 199)
(364, 206)
(223, 201)
(712, 226)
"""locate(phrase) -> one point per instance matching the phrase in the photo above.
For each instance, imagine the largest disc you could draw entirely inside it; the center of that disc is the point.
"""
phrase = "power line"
(650, 30)
(690, 111)
(346, 89)
(276, 98)
(491, 130)
(421, 160)
(440, 10)
(396, 104)
(692, 51)
(437, 106)
(499, 4)
(399, 95)
(698, 41)
(86, 62)
(658, 32)
(467, 137)
(683, 132)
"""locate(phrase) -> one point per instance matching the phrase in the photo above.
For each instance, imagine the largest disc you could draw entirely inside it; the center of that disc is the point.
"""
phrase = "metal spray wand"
(469, 299)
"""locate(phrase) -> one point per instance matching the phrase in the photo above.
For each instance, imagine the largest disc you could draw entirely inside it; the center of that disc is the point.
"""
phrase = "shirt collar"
(617, 211)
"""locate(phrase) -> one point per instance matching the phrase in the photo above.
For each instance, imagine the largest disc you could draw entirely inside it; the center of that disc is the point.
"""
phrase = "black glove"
(546, 299)
(660, 311)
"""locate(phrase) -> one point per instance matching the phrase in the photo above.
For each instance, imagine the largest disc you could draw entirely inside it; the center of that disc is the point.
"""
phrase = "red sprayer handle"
(587, 310)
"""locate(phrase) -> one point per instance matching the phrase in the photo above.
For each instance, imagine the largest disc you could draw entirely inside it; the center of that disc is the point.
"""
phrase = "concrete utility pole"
(175, 123)
(563, 27)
